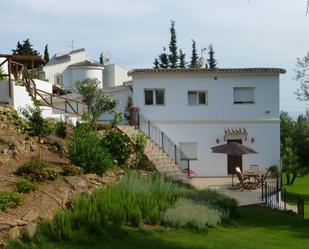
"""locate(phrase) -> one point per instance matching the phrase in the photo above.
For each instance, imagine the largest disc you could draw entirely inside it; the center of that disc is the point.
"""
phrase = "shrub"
(85, 150)
(191, 214)
(139, 147)
(71, 170)
(25, 186)
(36, 171)
(61, 129)
(118, 144)
(9, 200)
(145, 164)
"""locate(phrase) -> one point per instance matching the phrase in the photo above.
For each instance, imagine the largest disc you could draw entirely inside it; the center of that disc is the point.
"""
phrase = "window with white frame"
(244, 95)
(190, 149)
(58, 79)
(197, 97)
(154, 96)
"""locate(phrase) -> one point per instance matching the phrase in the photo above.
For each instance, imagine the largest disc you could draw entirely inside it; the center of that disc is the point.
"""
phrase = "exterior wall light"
(252, 140)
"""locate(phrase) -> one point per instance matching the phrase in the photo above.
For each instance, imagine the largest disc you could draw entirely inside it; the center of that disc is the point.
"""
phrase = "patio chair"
(262, 179)
(244, 184)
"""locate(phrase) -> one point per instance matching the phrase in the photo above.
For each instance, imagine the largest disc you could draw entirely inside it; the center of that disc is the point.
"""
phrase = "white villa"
(201, 108)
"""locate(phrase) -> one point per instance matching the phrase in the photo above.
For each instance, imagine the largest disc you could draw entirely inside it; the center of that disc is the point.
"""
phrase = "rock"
(20, 222)
(8, 221)
(76, 183)
(64, 196)
(31, 216)
(3, 118)
(91, 177)
(14, 233)
(30, 229)
(4, 226)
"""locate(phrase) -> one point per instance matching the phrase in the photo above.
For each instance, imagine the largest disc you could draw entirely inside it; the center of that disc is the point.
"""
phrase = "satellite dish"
(107, 58)
(200, 62)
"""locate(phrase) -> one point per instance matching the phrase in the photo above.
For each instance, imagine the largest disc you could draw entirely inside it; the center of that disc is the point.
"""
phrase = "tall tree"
(101, 60)
(25, 48)
(194, 56)
(173, 56)
(46, 54)
(212, 62)
(156, 63)
(182, 59)
(302, 76)
(163, 59)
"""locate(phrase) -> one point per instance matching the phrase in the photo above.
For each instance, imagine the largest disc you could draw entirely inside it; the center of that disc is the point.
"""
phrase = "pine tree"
(182, 59)
(173, 56)
(163, 59)
(46, 54)
(101, 58)
(194, 56)
(156, 63)
(212, 62)
(25, 49)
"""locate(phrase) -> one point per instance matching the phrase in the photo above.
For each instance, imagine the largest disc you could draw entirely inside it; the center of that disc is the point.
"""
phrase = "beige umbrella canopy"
(233, 149)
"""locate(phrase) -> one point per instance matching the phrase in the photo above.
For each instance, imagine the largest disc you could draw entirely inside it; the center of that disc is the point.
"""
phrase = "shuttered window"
(244, 95)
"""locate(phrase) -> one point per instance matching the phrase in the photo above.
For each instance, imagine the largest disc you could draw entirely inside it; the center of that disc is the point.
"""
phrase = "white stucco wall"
(205, 123)
(74, 74)
(114, 75)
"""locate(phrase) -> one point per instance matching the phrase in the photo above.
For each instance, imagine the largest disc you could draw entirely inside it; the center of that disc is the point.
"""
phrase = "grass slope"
(255, 228)
(301, 186)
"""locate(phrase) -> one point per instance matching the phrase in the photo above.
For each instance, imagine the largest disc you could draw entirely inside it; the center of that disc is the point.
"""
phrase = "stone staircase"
(164, 164)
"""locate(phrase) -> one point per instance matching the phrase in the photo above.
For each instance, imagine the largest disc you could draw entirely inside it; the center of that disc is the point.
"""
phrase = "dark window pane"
(192, 98)
(160, 97)
(148, 97)
(202, 98)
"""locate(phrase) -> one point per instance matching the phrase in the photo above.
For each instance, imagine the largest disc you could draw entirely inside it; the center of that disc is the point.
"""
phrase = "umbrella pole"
(232, 179)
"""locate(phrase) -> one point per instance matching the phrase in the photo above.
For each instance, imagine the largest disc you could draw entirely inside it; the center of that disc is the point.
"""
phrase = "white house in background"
(201, 108)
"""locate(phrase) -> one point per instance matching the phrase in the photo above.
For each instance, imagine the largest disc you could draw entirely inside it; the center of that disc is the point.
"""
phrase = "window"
(244, 95)
(154, 96)
(190, 149)
(197, 98)
(58, 79)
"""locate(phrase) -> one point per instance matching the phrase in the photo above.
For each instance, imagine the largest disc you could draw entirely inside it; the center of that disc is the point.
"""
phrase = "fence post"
(300, 206)
(262, 191)
(175, 147)
(149, 128)
(277, 189)
(162, 138)
(266, 193)
(188, 169)
(284, 198)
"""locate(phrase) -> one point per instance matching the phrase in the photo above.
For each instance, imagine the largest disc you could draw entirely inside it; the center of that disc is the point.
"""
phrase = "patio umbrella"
(233, 149)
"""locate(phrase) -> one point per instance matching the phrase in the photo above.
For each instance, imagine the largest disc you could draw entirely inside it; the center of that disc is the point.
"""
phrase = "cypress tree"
(182, 59)
(173, 56)
(212, 62)
(156, 63)
(194, 56)
(101, 58)
(46, 54)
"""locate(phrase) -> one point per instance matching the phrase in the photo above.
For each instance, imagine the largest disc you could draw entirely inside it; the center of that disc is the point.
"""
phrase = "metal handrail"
(155, 134)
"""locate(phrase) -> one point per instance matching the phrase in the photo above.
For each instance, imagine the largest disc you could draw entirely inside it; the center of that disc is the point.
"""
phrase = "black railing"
(155, 134)
(281, 199)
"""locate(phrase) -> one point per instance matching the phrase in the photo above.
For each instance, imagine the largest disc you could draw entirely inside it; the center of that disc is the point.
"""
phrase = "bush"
(61, 129)
(145, 164)
(118, 144)
(85, 150)
(9, 200)
(36, 171)
(191, 214)
(71, 170)
(25, 186)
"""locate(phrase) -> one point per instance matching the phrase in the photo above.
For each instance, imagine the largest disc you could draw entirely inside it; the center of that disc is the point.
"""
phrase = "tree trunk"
(294, 175)
(288, 179)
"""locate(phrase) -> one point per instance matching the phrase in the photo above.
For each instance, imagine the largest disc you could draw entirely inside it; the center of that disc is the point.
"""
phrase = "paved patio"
(224, 185)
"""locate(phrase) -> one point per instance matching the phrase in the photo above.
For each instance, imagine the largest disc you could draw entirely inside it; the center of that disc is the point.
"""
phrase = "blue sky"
(254, 33)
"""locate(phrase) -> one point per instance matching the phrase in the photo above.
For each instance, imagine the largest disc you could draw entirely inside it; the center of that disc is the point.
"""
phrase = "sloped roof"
(86, 63)
(206, 71)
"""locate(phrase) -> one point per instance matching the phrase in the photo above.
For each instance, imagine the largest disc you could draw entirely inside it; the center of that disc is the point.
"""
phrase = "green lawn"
(301, 186)
(255, 227)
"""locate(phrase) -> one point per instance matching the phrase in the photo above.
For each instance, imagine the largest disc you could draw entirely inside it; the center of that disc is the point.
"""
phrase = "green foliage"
(163, 59)
(212, 62)
(302, 76)
(95, 97)
(36, 171)
(25, 186)
(139, 147)
(118, 144)
(118, 118)
(1, 74)
(191, 214)
(61, 129)
(25, 48)
(36, 124)
(71, 170)
(86, 151)
(145, 164)
(194, 56)
(182, 59)
(9, 200)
